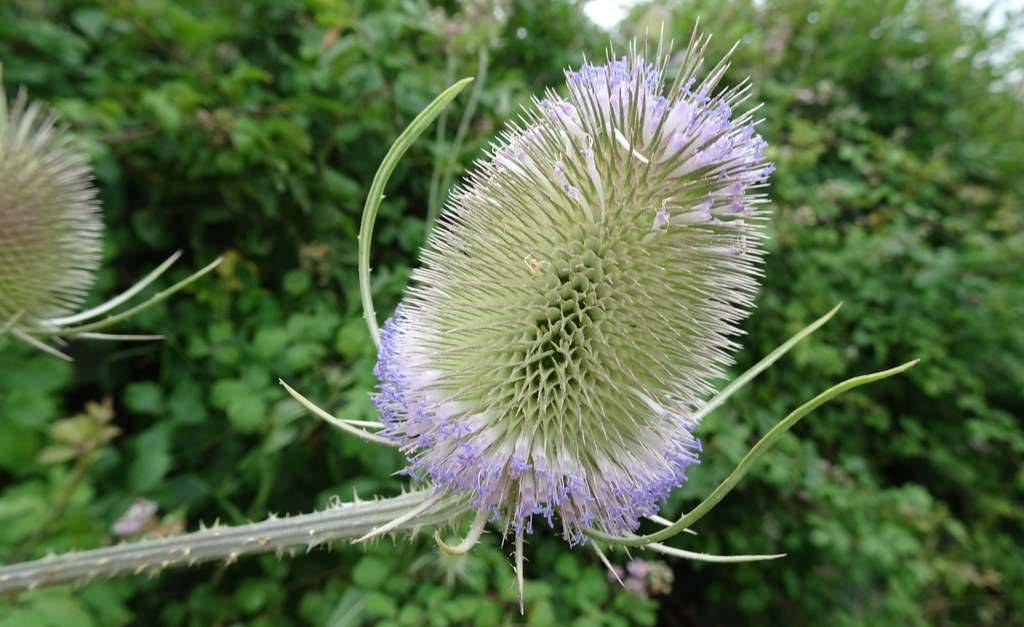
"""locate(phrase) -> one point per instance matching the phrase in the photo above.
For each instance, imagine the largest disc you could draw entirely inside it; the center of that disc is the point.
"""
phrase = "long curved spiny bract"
(579, 295)
(50, 224)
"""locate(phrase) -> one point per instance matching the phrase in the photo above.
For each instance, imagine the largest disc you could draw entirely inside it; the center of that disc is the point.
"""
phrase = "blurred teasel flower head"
(579, 295)
(50, 223)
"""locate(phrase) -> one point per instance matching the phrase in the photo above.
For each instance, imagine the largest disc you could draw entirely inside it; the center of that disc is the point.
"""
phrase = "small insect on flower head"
(579, 295)
(50, 225)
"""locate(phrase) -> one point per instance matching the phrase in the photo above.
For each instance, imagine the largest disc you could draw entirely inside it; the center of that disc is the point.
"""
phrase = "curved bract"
(578, 296)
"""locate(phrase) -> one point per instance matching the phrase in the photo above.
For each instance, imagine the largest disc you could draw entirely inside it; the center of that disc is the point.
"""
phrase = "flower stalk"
(282, 534)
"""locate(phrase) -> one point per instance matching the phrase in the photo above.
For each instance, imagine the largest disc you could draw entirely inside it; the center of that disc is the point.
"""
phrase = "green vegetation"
(253, 129)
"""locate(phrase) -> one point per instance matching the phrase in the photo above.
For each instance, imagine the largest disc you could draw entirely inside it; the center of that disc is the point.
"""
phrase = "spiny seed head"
(578, 297)
(50, 225)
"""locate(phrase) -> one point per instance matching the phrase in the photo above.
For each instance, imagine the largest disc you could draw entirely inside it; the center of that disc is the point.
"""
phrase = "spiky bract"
(578, 297)
(50, 225)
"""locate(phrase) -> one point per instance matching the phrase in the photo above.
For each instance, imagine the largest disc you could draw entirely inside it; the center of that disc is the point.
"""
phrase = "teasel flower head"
(578, 297)
(50, 223)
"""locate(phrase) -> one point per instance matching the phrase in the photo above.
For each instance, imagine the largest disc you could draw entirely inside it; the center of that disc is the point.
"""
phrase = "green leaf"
(303, 355)
(185, 405)
(296, 282)
(353, 339)
(462, 608)
(225, 391)
(28, 407)
(72, 431)
(152, 460)
(567, 566)
(90, 21)
(247, 412)
(56, 454)
(145, 397)
(371, 572)
(251, 596)
(269, 343)
(381, 604)
(18, 445)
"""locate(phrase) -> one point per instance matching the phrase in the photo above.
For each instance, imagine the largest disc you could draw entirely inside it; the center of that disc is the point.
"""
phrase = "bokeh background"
(252, 129)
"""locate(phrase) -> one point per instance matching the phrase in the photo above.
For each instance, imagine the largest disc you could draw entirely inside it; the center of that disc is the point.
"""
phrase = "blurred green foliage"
(253, 128)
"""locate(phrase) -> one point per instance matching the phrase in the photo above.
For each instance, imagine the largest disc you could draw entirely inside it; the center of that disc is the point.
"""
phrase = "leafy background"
(252, 129)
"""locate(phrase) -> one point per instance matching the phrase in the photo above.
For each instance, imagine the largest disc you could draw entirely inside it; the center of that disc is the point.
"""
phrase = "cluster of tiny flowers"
(50, 225)
(644, 577)
(578, 297)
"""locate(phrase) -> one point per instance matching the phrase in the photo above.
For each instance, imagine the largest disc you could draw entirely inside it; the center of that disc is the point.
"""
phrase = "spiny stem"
(401, 519)
(308, 531)
(519, 572)
(664, 522)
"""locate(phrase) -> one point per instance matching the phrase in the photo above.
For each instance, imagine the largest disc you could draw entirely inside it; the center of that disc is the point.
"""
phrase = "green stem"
(82, 465)
(433, 196)
(460, 137)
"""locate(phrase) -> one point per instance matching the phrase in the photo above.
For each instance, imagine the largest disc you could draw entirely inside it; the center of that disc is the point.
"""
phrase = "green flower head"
(578, 297)
(50, 223)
